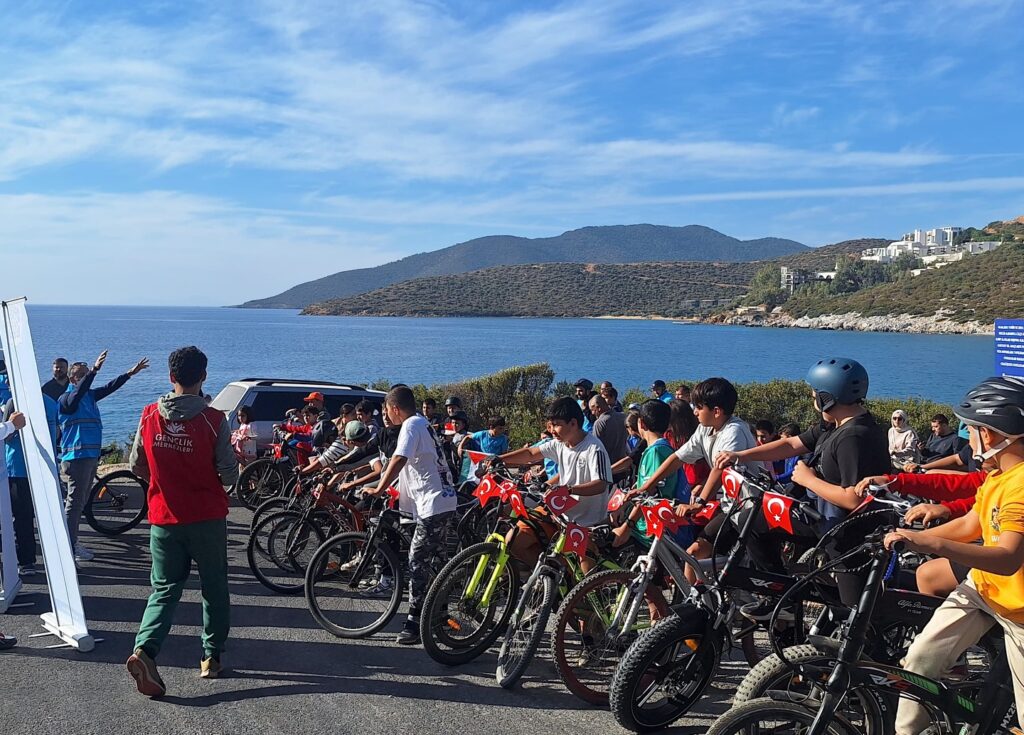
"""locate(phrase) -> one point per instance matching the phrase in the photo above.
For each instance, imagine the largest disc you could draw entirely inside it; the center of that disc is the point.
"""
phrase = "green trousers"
(173, 549)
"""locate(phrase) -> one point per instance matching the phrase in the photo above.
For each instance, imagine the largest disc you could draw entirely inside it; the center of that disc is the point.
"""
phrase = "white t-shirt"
(425, 478)
(586, 462)
(707, 444)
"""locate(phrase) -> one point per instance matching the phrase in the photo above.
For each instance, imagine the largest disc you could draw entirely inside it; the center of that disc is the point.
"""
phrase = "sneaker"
(7, 642)
(762, 610)
(147, 678)
(83, 554)
(351, 563)
(210, 668)
(409, 636)
(27, 570)
(384, 588)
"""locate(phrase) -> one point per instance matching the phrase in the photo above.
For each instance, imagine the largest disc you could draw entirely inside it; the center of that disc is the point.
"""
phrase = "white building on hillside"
(931, 246)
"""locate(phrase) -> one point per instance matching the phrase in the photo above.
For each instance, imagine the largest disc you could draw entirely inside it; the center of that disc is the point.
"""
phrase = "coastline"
(936, 323)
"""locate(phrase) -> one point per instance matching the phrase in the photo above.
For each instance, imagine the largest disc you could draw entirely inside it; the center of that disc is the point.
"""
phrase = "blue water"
(276, 343)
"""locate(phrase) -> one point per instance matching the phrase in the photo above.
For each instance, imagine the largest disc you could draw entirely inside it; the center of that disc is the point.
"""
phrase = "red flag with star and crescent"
(510, 494)
(487, 489)
(576, 538)
(559, 501)
(732, 483)
(616, 500)
(660, 518)
(705, 514)
(776, 510)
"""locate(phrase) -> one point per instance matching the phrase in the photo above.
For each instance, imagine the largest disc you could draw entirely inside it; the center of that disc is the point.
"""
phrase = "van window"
(228, 398)
(272, 405)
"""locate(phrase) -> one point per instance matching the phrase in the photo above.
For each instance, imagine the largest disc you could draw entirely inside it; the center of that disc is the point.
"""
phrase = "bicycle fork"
(481, 570)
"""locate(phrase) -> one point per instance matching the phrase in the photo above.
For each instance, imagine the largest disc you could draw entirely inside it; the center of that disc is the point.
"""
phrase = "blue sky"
(207, 153)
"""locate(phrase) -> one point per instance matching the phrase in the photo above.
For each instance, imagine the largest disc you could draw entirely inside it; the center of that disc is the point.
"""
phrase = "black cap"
(658, 384)
(584, 383)
(453, 401)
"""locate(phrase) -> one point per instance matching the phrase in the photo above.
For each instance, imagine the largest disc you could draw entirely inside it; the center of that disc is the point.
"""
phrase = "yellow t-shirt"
(1000, 507)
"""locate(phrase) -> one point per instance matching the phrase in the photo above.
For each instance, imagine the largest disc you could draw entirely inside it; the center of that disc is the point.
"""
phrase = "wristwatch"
(700, 500)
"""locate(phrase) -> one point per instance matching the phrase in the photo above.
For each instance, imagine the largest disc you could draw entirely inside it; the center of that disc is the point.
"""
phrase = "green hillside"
(824, 258)
(557, 290)
(613, 244)
(979, 287)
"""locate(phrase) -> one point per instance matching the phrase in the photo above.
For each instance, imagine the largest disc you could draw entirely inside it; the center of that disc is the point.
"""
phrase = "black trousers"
(24, 528)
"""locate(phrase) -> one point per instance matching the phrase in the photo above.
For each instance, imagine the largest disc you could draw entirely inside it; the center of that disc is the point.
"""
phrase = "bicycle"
(471, 599)
(667, 670)
(282, 542)
(562, 562)
(117, 502)
(355, 580)
(984, 705)
(267, 477)
(603, 615)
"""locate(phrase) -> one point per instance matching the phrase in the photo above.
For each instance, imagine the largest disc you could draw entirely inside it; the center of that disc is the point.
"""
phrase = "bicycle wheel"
(525, 630)
(468, 604)
(259, 481)
(774, 716)
(861, 708)
(664, 673)
(353, 588)
(117, 503)
(280, 548)
(584, 648)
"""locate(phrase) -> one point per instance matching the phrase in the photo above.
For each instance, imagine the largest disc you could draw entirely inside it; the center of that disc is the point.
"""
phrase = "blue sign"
(1010, 347)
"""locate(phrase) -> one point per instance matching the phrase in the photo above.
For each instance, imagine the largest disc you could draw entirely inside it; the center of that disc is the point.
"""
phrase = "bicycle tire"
(268, 506)
(439, 627)
(286, 553)
(525, 629)
(117, 503)
(656, 650)
(570, 624)
(321, 578)
(750, 718)
(864, 710)
(259, 481)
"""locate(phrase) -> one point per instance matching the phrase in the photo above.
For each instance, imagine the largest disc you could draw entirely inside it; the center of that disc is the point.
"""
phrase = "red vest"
(184, 486)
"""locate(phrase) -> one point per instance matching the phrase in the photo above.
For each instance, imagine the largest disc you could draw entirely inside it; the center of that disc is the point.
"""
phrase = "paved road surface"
(287, 675)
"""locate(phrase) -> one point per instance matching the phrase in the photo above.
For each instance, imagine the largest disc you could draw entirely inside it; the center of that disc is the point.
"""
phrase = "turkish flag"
(732, 483)
(576, 538)
(776, 510)
(616, 500)
(510, 495)
(487, 489)
(660, 518)
(559, 501)
(392, 496)
(705, 514)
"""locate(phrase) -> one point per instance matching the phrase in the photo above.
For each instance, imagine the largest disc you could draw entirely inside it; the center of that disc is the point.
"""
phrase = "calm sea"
(275, 343)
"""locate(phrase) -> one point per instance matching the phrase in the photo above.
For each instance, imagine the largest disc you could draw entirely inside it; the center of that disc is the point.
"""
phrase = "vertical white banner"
(67, 619)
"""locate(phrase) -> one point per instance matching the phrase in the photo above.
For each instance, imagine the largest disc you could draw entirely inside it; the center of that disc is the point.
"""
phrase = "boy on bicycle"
(419, 465)
(994, 592)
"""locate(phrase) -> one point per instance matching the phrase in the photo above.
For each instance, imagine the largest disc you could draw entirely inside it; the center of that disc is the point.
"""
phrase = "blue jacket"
(15, 451)
(81, 428)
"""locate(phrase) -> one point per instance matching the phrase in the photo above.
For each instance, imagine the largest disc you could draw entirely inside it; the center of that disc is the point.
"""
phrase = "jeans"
(81, 474)
(24, 528)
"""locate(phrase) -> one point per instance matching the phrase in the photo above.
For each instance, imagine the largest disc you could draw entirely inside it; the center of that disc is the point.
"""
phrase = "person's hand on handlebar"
(803, 475)
(685, 509)
(926, 513)
(913, 540)
(911, 467)
(726, 459)
(861, 488)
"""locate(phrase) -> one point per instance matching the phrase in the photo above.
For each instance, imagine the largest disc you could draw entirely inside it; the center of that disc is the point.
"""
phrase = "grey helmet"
(997, 404)
(838, 380)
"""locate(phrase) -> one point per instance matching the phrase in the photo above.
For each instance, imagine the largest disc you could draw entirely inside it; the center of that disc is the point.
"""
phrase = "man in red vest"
(183, 448)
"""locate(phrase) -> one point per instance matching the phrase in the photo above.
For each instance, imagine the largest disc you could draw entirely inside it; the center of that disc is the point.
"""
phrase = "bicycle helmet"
(453, 401)
(997, 404)
(838, 380)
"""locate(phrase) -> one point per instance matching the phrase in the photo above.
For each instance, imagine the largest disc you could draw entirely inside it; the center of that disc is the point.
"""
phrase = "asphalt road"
(286, 674)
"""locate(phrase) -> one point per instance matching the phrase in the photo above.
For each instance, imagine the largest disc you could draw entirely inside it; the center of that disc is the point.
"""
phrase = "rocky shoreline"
(937, 323)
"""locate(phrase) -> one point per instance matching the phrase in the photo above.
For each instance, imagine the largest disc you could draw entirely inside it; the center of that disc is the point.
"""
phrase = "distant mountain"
(613, 244)
(557, 290)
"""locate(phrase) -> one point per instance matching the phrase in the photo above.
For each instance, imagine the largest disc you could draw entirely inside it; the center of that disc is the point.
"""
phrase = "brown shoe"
(210, 668)
(147, 678)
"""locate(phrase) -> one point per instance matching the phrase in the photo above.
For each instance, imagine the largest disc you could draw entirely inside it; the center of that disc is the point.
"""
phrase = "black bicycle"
(982, 704)
(117, 501)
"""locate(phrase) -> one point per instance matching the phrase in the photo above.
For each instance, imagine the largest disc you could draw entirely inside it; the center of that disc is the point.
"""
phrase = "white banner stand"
(10, 582)
(67, 619)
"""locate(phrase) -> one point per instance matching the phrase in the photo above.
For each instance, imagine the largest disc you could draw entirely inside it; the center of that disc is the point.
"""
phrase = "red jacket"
(184, 486)
(955, 491)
